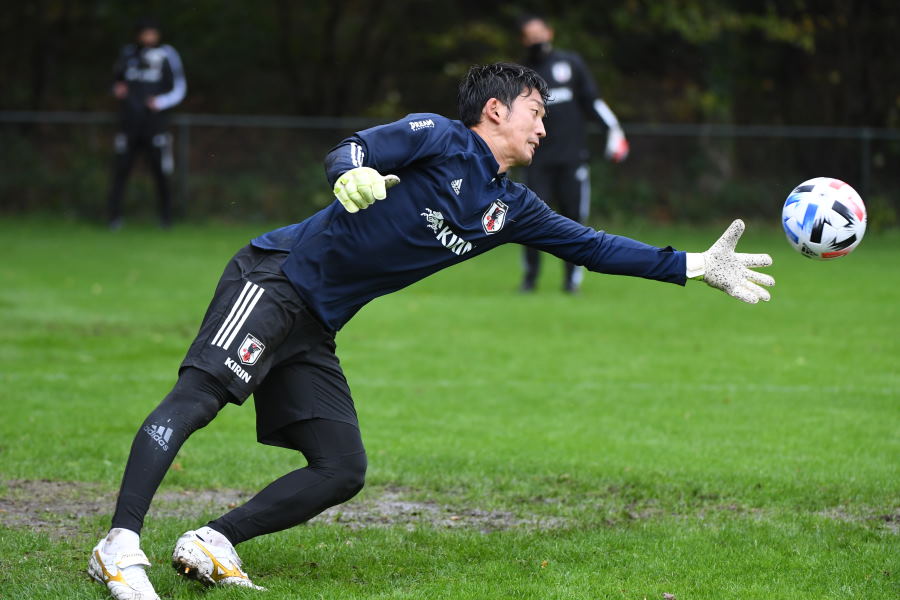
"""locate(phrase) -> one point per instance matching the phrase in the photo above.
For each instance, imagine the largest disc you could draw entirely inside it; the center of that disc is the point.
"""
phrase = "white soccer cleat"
(122, 573)
(196, 557)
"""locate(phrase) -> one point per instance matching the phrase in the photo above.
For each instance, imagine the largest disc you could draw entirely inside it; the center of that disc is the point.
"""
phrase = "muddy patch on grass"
(392, 507)
(889, 520)
(58, 508)
(51, 506)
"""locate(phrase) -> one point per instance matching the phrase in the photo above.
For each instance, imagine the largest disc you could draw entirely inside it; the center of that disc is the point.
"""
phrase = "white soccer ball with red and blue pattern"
(824, 218)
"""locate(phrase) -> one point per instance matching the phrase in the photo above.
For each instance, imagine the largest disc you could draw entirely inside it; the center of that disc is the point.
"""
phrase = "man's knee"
(353, 475)
(195, 400)
(346, 475)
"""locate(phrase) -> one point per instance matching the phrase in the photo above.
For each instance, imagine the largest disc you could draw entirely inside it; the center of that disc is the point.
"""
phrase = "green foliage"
(701, 21)
(785, 62)
(882, 213)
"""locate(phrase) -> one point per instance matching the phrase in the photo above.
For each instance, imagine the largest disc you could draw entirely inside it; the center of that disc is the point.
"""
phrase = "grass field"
(638, 440)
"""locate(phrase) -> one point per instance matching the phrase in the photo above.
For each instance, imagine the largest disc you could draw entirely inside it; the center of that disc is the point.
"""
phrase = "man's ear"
(493, 110)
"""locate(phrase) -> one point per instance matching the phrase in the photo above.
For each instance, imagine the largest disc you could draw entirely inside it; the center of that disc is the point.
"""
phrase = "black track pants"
(333, 449)
(335, 472)
(565, 187)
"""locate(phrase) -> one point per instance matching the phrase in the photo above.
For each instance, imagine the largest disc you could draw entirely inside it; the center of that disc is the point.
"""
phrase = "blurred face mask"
(535, 52)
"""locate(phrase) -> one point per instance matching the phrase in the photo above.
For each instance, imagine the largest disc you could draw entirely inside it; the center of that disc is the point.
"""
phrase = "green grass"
(683, 442)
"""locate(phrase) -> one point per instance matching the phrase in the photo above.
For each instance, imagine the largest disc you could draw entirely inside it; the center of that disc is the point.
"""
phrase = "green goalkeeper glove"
(723, 268)
(360, 187)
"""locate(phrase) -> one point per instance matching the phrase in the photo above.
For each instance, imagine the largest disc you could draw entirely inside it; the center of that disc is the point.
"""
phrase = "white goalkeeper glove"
(723, 268)
(616, 145)
(360, 187)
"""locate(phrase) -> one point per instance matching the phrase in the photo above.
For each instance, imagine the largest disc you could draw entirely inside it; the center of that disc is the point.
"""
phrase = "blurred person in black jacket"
(559, 173)
(149, 80)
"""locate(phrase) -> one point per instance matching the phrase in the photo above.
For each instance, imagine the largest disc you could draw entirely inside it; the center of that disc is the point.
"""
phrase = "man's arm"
(601, 252)
(119, 87)
(390, 147)
(719, 267)
(588, 97)
(355, 166)
(349, 154)
(179, 83)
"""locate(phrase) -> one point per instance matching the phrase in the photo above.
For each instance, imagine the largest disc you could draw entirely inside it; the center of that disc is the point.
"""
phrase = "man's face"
(148, 37)
(536, 31)
(523, 127)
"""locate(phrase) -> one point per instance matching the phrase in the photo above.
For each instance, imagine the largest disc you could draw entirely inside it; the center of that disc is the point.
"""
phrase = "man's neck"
(495, 150)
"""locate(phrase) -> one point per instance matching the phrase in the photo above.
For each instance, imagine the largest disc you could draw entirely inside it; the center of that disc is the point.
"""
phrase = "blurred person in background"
(149, 80)
(559, 174)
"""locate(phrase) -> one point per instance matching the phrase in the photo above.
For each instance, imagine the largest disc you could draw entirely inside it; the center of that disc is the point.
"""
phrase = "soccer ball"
(824, 218)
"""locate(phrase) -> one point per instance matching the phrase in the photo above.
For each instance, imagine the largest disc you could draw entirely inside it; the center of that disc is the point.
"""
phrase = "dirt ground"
(58, 507)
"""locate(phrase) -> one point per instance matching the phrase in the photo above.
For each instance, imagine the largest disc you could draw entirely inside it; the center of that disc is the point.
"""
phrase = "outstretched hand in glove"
(723, 268)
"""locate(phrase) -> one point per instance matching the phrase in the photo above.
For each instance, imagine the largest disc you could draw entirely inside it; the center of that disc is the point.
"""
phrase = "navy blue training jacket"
(450, 205)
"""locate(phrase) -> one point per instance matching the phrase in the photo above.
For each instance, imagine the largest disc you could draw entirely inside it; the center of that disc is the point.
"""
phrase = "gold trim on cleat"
(107, 576)
(226, 572)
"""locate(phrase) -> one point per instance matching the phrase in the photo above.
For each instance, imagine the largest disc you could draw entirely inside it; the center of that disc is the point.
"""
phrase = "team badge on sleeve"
(494, 217)
(251, 349)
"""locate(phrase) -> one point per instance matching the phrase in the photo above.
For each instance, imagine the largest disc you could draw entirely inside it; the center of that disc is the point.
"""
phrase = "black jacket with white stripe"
(150, 72)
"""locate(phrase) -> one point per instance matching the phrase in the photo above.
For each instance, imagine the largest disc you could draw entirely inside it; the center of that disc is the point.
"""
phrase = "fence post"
(865, 135)
(184, 145)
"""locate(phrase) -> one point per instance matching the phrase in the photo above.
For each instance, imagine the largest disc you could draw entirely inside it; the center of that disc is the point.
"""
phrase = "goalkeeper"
(412, 197)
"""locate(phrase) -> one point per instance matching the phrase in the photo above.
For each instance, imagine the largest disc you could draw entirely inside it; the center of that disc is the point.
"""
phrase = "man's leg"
(540, 181)
(335, 473)
(194, 401)
(124, 161)
(117, 559)
(259, 312)
(303, 404)
(574, 192)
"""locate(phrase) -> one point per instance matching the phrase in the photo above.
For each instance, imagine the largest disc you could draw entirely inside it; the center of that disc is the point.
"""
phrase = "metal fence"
(698, 153)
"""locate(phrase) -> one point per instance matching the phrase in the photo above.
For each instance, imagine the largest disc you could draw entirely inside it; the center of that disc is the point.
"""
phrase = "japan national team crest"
(250, 350)
(494, 217)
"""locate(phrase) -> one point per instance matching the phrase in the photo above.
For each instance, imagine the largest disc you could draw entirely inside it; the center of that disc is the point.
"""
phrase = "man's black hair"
(146, 22)
(503, 81)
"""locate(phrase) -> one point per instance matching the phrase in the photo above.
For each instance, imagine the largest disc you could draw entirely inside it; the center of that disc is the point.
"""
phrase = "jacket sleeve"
(588, 96)
(388, 148)
(179, 84)
(540, 227)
